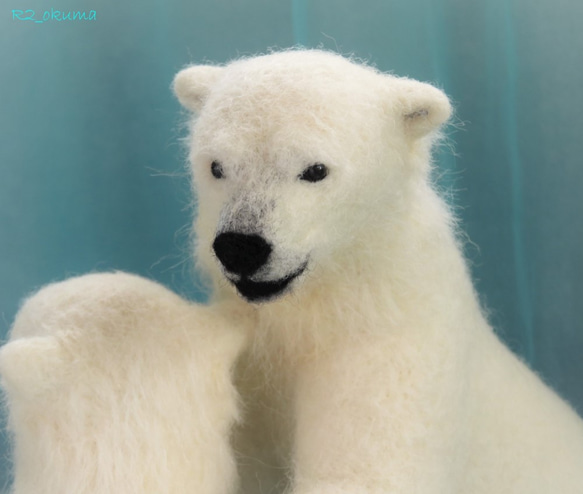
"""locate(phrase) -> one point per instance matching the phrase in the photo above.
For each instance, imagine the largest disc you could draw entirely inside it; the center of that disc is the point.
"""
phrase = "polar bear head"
(99, 375)
(298, 156)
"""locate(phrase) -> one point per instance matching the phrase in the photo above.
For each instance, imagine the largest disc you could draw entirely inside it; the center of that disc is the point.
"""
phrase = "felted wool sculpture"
(362, 358)
(116, 386)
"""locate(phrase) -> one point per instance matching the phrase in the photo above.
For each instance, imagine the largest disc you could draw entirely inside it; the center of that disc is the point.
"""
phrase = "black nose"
(241, 254)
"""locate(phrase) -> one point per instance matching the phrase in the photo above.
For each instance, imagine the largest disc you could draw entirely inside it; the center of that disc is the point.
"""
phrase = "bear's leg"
(116, 385)
(380, 417)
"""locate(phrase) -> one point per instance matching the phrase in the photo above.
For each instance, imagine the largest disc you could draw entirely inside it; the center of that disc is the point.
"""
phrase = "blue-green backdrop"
(91, 165)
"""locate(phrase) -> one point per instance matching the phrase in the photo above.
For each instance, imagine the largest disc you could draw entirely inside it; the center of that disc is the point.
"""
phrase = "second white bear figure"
(117, 386)
(369, 365)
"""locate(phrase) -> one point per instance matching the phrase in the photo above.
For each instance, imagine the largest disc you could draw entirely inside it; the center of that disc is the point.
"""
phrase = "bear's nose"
(240, 253)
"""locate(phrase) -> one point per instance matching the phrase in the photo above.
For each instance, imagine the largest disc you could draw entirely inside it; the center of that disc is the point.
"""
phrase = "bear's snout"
(241, 253)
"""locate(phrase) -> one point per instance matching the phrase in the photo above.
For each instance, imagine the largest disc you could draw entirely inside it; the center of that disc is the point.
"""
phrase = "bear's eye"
(217, 170)
(314, 173)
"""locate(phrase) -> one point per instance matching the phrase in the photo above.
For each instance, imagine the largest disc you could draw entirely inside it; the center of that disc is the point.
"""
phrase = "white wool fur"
(375, 371)
(116, 385)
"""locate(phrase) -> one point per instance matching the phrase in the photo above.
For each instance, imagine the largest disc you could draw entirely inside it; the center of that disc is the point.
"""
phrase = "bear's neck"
(409, 273)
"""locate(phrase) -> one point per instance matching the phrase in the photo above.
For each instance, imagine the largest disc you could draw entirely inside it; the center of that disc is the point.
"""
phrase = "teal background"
(91, 164)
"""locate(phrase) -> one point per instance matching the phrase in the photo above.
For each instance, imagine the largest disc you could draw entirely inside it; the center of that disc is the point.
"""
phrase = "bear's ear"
(30, 366)
(423, 108)
(192, 85)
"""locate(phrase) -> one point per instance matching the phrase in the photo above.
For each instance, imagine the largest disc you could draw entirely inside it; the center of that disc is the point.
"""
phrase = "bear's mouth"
(264, 291)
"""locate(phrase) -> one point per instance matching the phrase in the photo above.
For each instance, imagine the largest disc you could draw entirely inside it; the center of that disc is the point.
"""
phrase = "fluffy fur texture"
(116, 385)
(369, 366)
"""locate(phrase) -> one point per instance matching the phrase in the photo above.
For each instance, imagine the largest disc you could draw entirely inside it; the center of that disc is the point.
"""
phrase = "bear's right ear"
(192, 85)
(31, 366)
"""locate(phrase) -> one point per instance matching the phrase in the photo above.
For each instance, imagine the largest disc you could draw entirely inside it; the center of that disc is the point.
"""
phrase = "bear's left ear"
(423, 108)
(193, 84)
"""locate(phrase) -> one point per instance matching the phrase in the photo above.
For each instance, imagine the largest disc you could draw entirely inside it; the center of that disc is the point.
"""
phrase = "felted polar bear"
(341, 304)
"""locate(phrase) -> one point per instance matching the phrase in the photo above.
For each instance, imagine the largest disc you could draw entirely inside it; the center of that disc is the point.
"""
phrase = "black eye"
(314, 173)
(217, 170)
